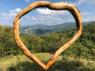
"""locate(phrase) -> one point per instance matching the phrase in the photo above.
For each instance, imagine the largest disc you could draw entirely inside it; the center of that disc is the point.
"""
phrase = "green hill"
(78, 57)
(48, 42)
(41, 29)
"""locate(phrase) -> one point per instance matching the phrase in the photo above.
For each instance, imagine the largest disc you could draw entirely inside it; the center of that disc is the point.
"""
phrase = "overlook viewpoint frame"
(53, 6)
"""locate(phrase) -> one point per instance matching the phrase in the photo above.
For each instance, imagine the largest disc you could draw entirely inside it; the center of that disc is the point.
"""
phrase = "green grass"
(22, 63)
(9, 61)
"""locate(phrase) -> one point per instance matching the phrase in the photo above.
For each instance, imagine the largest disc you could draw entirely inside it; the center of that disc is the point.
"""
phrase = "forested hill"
(41, 29)
(49, 42)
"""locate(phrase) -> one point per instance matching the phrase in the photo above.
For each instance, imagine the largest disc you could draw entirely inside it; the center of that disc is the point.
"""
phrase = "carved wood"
(54, 6)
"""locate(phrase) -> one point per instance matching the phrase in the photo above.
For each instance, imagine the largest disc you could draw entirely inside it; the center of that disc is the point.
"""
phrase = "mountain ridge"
(40, 29)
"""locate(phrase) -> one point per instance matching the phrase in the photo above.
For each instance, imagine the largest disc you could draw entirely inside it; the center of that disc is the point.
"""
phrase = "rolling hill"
(40, 29)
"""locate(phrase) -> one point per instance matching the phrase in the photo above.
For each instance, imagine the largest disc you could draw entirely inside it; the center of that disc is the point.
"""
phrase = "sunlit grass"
(9, 61)
(17, 62)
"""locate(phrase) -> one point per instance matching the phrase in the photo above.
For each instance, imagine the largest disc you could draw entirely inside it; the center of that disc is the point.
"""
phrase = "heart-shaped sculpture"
(54, 6)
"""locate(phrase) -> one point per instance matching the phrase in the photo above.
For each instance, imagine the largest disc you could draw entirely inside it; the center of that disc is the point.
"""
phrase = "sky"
(10, 8)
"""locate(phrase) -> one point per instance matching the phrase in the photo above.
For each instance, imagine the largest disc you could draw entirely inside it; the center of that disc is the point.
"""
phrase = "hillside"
(48, 42)
(78, 57)
(41, 29)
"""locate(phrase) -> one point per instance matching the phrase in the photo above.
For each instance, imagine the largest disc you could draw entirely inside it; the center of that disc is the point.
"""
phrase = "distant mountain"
(40, 29)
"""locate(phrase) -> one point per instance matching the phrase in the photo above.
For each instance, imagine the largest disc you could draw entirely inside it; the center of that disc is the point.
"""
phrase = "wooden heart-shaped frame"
(54, 6)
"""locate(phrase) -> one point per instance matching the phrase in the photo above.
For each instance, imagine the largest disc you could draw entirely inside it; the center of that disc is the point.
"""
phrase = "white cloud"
(87, 17)
(47, 11)
(43, 19)
(85, 14)
(27, 17)
(15, 10)
(11, 13)
(3, 14)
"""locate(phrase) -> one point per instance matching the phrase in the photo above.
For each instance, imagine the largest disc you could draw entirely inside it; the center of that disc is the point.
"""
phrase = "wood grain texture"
(54, 6)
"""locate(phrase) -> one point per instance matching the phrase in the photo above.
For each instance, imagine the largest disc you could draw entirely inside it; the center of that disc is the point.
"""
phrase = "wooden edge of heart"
(54, 6)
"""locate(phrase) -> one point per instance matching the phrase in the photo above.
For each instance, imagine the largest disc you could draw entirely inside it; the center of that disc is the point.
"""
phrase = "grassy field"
(12, 61)
(22, 63)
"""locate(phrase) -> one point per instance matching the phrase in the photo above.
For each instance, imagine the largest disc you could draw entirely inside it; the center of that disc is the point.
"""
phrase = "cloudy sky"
(10, 8)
